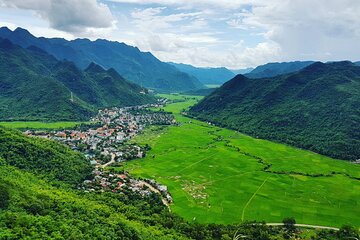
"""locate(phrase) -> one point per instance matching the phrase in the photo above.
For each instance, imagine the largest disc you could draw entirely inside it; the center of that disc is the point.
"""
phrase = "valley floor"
(217, 175)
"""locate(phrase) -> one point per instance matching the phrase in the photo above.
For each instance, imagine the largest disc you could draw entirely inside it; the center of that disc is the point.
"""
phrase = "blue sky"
(208, 33)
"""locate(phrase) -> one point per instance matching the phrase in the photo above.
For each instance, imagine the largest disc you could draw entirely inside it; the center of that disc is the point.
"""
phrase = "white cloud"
(232, 33)
(305, 29)
(75, 16)
(200, 4)
(237, 57)
(152, 19)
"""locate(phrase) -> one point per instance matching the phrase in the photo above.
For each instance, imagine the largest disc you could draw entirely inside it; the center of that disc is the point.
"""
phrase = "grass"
(40, 125)
(213, 85)
(217, 175)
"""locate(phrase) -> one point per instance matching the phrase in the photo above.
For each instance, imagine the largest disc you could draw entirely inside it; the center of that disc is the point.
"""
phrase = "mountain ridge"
(209, 75)
(136, 66)
(274, 69)
(36, 86)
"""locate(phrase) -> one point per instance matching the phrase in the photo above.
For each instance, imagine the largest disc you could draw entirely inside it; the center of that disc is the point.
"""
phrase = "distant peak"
(240, 77)
(5, 28)
(21, 30)
(316, 66)
(342, 63)
(5, 31)
(95, 68)
(112, 72)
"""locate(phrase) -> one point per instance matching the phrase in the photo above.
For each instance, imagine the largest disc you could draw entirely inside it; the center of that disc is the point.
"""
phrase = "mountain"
(36, 86)
(139, 67)
(317, 108)
(275, 69)
(206, 75)
(242, 71)
(100, 87)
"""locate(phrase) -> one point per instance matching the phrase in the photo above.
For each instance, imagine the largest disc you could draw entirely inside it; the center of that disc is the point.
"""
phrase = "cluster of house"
(107, 142)
(118, 183)
(162, 189)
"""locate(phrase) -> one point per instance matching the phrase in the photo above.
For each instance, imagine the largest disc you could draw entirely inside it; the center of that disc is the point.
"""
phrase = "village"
(105, 142)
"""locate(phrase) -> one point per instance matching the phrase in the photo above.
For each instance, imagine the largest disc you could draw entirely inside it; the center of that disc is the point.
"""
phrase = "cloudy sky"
(231, 33)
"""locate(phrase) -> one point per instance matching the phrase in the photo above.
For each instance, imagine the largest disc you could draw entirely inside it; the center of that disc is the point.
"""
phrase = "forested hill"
(43, 157)
(36, 86)
(136, 66)
(317, 108)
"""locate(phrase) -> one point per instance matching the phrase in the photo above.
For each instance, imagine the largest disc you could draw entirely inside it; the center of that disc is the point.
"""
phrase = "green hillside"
(316, 108)
(35, 86)
(41, 156)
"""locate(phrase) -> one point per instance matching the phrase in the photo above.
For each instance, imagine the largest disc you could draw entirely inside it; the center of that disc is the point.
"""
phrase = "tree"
(348, 232)
(4, 197)
(289, 224)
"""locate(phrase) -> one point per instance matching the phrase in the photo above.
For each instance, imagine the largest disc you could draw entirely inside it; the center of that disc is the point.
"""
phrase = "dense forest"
(317, 108)
(36, 86)
(39, 200)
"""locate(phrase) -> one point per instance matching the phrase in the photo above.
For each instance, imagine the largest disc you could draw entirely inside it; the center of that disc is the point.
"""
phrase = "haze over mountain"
(206, 75)
(275, 69)
(136, 66)
(36, 86)
(241, 71)
(317, 108)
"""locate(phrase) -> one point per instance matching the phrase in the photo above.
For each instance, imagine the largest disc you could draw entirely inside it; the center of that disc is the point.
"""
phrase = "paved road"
(111, 161)
(164, 200)
(305, 225)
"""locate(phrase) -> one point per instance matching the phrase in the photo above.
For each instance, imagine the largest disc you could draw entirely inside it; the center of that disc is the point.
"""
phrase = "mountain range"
(209, 76)
(316, 108)
(36, 86)
(136, 66)
(276, 68)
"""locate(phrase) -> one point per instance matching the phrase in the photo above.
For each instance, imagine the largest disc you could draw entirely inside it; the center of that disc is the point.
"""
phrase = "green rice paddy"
(217, 175)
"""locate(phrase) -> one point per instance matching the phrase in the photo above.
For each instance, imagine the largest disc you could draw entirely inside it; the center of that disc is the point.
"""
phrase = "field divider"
(252, 197)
